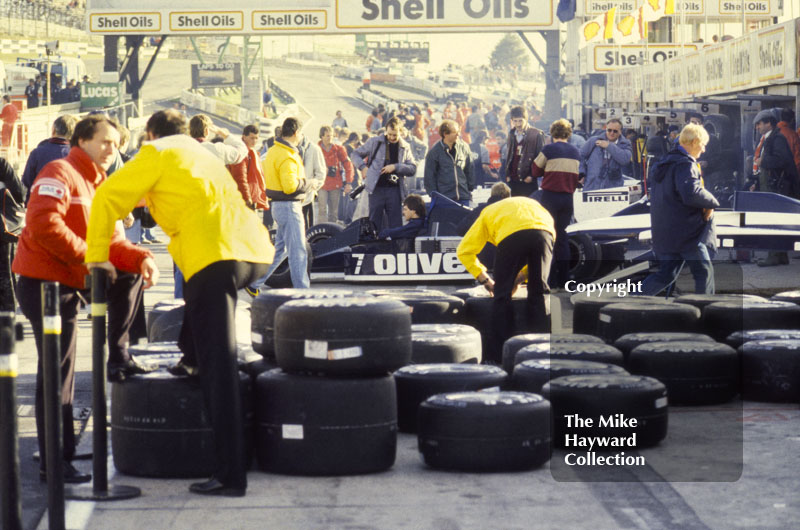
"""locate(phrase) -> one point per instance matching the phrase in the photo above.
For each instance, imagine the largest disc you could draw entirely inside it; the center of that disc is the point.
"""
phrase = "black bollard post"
(10, 509)
(100, 490)
(54, 440)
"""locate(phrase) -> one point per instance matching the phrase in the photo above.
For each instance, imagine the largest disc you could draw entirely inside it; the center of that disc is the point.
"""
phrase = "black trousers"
(533, 248)
(208, 334)
(561, 207)
(123, 297)
(7, 281)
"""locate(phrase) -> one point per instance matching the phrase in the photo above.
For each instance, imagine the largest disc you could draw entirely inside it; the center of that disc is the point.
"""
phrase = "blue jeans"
(290, 239)
(699, 262)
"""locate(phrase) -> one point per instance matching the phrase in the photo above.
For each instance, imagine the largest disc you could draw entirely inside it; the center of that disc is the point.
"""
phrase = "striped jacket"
(558, 163)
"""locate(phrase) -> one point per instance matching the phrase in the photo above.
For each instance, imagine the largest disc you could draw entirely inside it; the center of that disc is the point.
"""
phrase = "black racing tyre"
(787, 296)
(484, 431)
(737, 338)
(359, 336)
(281, 278)
(445, 343)
(694, 372)
(167, 327)
(266, 304)
(427, 306)
(585, 257)
(256, 368)
(607, 396)
(322, 231)
(517, 342)
(586, 309)
(771, 370)
(578, 351)
(478, 314)
(617, 320)
(531, 376)
(308, 425)
(723, 318)
(156, 354)
(700, 301)
(161, 308)
(629, 341)
(417, 383)
(160, 427)
(469, 292)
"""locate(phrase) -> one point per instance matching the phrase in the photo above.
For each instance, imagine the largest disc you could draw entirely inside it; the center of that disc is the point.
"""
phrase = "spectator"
(52, 248)
(448, 166)
(389, 158)
(475, 121)
(55, 147)
(9, 181)
(353, 141)
(522, 230)
(523, 146)
(414, 215)
(219, 244)
(268, 102)
(9, 115)
(286, 187)
(773, 162)
(605, 157)
(558, 163)
(338, 165)
(315, 170)
(247, 173)
(338, 121)
(231, 150)
(32, 93)
(681, 215)
(786, 126)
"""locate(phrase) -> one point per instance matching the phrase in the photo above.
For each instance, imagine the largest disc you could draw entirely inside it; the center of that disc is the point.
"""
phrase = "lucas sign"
(259, 17)
(101, 95)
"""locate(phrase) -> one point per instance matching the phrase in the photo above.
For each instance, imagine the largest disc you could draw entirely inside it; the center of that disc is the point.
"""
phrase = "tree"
(509, 53)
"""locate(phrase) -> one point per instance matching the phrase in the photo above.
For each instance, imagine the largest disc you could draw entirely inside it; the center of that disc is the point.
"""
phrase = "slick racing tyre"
(517, 342)
(445, 343)
(617, 320)
(737, 338)
(309, 425)
(599, 353)
(629, 341)
(771, 370)
(266, 304)
(160, 426)
(359, 336)
(614, 397)
(484, 431)
(787, 296)
(531, 376)
(427, 306)
(417, 383)
(586, 309)
(700, 301)
(167, 327)
(322, 231)
(585, 257)
(695, 373)
(160, 309)
(723, 318)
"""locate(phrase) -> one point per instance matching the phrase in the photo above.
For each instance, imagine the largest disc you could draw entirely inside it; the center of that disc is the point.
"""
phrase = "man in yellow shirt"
(523, 232)
(220, 246)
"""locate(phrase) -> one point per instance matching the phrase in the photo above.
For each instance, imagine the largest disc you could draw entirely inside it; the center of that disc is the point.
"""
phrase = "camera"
(333, 171)
(392, 178)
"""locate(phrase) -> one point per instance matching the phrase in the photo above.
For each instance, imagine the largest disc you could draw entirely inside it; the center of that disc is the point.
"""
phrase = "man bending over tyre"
(523, 232)
(220, 246)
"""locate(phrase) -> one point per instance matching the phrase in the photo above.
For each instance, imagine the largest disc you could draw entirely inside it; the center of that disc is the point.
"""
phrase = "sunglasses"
(616, 131)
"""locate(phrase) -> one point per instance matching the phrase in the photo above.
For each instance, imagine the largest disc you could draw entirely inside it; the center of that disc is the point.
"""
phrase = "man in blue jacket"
(389, 158)
(448, 166)
(681, 213)
(55, 147)
(605, 158)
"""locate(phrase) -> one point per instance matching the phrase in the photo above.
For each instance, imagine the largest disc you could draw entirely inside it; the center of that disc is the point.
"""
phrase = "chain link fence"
(44, 20)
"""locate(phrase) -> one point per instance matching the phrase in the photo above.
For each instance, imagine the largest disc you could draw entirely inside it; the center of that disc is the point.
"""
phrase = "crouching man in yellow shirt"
(523, 232)
(220, 246)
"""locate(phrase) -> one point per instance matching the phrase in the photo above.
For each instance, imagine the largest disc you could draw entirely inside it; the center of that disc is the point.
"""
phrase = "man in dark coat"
(774, 160)
(681, 213)
(55, 147)
(523, 146)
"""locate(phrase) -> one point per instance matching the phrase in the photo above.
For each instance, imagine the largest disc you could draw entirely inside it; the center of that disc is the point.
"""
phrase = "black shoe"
(182, 369)
(118, 372)
(71, 475)
(215, 487)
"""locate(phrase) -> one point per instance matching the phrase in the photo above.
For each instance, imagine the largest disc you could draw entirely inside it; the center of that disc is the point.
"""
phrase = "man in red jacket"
(9, 115)
(247, 173)
(52, 248)
(336, 160)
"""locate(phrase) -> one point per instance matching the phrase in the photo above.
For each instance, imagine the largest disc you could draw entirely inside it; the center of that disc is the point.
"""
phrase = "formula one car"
(757, 221)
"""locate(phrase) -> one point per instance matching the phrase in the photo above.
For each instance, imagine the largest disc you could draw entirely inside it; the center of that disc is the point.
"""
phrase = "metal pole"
(100, 490)
(10, 509)
(54, 444)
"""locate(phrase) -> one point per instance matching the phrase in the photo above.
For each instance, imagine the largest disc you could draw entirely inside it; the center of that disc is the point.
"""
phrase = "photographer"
(389, 158)
(336, 160)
